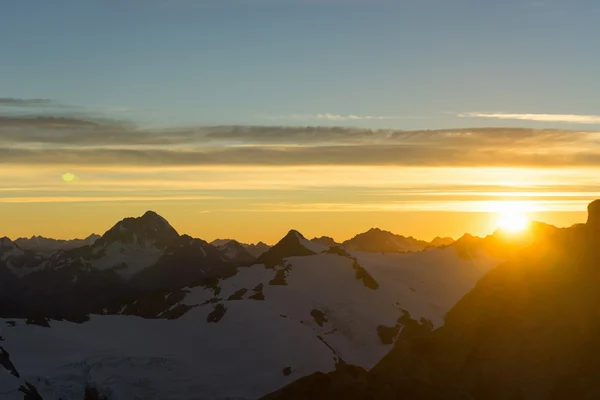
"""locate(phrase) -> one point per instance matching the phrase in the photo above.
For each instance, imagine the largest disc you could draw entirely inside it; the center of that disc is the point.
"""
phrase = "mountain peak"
(6, 243)
(150, 227)
(295, 233)
(593, 220)
(378, 240)
(292, 244)
(152, 216)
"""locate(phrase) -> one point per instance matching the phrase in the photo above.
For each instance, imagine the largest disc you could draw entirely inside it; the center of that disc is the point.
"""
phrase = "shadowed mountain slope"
(530, 329)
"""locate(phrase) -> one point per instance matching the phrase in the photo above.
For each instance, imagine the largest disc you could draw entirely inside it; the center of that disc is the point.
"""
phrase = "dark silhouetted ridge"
(289, 246)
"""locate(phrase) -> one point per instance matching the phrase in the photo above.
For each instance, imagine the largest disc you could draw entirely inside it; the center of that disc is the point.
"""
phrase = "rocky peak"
(149, 228)
(593, 220)
(294, 234)
(7, 244)
(92, 238)
(377, 240)
(291, 245)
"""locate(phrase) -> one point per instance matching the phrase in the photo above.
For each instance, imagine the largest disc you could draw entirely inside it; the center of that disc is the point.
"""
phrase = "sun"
(512, 221)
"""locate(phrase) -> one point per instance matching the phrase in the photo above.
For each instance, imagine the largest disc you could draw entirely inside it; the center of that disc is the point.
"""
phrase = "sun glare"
(512, 221)
(512, 216)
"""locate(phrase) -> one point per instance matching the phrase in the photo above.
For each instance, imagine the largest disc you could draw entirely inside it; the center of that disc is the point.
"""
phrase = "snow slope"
(251, 333)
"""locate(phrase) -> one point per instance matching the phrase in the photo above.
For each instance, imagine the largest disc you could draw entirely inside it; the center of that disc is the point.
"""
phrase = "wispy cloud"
(330, 117)
(39, 140)
(351, 117)
(416, 205)
(98, 199)
(15, 102)
(79, 139)
(563, 118)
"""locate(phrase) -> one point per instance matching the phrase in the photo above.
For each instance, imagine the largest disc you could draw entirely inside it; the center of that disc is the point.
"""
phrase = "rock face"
(530, 329)
(594, 215)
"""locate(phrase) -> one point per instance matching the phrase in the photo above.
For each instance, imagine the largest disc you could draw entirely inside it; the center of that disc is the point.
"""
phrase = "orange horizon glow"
(254, 204)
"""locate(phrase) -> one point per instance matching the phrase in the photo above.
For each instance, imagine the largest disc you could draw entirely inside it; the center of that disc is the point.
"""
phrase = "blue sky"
(307, 62)
(246, 118)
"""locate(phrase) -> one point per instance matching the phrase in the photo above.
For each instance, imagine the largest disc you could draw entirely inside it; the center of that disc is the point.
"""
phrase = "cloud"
(98, 199)
(563, 118)
(75, 140)
(350, 117)
(330, 117)
(487, 205)
(389, 155)
(44, 122)
(14, 102)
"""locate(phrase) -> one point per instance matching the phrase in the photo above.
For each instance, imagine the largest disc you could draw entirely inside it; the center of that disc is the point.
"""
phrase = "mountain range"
(48, 246)
(143, 312)
(529, 329)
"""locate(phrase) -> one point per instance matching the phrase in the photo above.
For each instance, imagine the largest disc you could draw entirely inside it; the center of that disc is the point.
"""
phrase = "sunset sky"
(245, 119)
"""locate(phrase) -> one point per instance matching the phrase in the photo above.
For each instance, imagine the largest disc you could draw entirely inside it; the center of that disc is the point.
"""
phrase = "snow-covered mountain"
(302, 307)
(47, 246)
(134, 256)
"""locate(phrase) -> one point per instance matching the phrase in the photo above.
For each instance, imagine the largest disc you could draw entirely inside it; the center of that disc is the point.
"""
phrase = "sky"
(245, 119)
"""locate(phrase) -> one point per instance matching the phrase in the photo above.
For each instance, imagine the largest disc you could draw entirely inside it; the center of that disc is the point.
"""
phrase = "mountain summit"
(593, 220)
(148, 229)
(292, 244)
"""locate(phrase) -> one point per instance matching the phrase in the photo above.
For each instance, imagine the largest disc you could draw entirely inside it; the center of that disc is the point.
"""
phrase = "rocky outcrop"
(593, 221)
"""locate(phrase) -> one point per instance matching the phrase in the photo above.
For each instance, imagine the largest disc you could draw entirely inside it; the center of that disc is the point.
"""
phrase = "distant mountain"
(441, 241)
(220, 242)
(379, 241)
(529, 329)
(15, 260)
(47, 246)
(325, 241)
(234, 251)
(255, 249)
